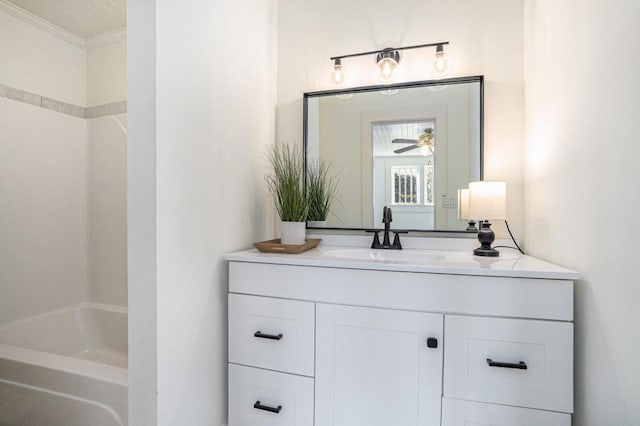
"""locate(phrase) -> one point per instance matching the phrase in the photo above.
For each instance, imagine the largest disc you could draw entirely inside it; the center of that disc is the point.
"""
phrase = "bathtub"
(65, 367)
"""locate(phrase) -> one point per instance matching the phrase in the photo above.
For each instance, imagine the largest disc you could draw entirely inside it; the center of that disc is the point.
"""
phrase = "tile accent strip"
(20, 95)
(112, 108)
(62, 107)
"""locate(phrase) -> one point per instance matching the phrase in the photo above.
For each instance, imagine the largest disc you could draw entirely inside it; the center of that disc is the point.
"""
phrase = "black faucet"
(386, 219)
(386, 243)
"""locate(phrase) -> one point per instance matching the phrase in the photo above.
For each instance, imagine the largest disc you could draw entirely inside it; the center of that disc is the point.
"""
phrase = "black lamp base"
(486, 236)
(486, 252)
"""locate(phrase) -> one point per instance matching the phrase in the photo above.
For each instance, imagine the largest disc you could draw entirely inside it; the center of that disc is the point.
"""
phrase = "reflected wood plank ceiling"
(384, 133)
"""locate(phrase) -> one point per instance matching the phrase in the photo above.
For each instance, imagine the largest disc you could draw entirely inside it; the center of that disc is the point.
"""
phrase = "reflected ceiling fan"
(425, 139)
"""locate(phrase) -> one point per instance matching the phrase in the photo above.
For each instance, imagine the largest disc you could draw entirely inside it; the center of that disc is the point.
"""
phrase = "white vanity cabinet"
(375, 366)
(324, 341)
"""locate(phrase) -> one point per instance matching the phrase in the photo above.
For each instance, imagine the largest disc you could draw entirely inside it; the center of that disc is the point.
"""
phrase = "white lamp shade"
(488, 200)
(463, 204)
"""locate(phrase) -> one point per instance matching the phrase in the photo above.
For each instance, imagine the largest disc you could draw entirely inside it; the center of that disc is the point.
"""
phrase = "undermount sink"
(397, 256)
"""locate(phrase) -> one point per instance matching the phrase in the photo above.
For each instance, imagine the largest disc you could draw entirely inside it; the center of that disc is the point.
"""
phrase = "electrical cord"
(512, 239)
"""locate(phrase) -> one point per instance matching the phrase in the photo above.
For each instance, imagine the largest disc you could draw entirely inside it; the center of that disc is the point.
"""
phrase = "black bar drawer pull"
(520, 366)
(267, 408)
(261, 335)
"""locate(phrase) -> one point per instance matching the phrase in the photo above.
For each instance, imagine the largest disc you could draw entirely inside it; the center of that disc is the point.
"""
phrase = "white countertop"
(453, 262)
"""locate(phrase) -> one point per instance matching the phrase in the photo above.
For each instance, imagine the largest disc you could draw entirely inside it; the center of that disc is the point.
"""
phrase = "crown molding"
(107, 38)
(31, 19)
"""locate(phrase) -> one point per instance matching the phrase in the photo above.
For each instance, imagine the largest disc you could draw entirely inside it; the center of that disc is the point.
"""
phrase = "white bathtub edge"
(95, 370)
(112, 308)
(108, 409)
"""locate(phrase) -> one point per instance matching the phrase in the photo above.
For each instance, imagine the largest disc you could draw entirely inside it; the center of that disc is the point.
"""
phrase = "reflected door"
(404, 160)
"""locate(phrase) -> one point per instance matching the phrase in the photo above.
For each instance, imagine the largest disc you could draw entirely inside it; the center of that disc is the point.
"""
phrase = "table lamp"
(487, 201)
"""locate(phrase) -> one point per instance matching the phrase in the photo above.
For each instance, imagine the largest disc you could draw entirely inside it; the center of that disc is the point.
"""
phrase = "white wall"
(34, 60)
(107, 198)
(107, 168)
(85, 213)
(582, 199)
(107, 74)
(141, 213)
(43, 218)
(43, 181)
(486, 38)
(198, 135)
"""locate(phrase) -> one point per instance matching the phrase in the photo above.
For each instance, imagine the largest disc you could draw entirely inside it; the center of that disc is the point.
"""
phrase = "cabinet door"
(374, 367)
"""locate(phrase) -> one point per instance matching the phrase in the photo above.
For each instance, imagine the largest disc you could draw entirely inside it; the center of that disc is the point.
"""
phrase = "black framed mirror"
(409, 146)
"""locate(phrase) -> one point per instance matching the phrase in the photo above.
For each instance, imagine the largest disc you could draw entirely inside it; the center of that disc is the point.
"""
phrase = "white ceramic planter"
(317, 223)
(293, 233)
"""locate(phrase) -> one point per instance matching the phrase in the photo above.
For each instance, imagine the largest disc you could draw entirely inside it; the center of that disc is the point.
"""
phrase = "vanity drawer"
(456, 412)
(261, 397)
(272, 333)
(525, 363)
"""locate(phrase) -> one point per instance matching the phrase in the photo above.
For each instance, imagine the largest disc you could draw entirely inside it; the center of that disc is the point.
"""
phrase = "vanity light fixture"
(487, 201)
(338, 76)
(389, 58)
(440, 64)
(463, 210)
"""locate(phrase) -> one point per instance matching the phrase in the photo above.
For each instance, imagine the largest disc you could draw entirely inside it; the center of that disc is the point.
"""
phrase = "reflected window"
(428, 182)
(406, 185)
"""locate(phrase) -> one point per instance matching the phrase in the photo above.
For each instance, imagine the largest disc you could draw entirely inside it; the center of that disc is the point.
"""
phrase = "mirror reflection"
(408, 146)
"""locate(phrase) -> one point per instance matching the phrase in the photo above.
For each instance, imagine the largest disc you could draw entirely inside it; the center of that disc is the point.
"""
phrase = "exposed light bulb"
(338, 75)
(424, 150)
(387, 60)
(386, 70)
(440, 65)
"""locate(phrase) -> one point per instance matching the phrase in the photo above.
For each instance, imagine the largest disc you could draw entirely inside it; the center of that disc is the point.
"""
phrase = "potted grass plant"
(286, 186)
(322, 186)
